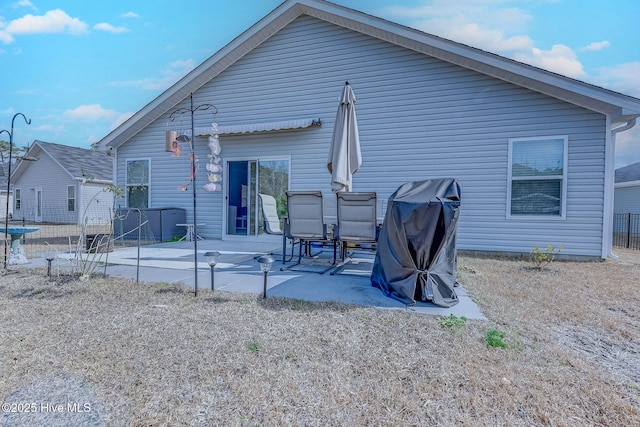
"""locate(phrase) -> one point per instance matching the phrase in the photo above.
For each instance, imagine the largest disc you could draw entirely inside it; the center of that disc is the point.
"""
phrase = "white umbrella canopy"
(344, 156)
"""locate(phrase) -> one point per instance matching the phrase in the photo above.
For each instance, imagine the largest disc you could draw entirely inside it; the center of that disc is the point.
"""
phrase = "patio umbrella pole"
(192, 110)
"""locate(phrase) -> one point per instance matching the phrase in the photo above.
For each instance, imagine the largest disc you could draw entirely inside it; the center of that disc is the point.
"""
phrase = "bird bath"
(17, 254)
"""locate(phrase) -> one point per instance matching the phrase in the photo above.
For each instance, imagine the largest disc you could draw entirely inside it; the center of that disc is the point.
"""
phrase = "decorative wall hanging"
(214, 170)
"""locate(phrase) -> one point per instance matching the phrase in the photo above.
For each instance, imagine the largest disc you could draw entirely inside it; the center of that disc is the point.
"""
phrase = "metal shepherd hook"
(6, 216)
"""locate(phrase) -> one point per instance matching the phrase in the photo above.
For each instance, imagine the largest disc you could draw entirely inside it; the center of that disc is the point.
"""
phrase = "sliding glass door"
(246, 179)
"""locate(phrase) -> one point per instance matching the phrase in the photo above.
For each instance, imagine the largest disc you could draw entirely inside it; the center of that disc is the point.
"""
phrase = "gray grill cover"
(416, 256)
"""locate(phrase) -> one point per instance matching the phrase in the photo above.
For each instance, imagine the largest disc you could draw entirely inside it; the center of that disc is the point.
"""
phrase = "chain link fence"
(104, 228)
(100, 229)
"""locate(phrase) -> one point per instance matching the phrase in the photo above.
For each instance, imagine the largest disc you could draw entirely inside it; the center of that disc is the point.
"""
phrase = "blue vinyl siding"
(419, 118)
(627, 200)
(53, 180)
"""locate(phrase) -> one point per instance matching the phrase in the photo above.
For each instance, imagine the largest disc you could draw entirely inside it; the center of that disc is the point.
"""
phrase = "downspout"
(79, 201)
(609, 182)
(114, 174)
(114, 167)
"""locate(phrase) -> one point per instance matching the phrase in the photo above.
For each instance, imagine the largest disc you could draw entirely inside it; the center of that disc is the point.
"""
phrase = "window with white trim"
(71, 198)
(537, 177)
(137, 183)
(18, 198)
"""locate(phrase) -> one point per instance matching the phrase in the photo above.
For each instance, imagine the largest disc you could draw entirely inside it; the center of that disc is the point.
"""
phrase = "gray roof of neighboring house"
(79, 162)
(628, 173)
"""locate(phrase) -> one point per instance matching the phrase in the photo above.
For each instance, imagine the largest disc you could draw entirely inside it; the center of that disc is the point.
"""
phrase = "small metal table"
(190, 232)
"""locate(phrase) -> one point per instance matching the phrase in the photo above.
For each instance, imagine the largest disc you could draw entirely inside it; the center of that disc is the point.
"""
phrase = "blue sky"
(79, 68)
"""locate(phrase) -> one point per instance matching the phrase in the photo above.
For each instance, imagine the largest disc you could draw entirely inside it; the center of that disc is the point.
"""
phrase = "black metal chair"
(357, 223)
(305, 226)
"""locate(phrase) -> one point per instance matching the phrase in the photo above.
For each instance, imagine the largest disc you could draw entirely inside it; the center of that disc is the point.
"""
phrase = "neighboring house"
(532, 150)
(65, 185)
(3, 193)
(627, 189)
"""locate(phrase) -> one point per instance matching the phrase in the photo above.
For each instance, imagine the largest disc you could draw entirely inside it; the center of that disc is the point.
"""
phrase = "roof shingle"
(628, 173)
(80, 162)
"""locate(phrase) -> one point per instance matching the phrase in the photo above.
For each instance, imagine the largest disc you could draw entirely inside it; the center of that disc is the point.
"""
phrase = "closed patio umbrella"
(344, 156)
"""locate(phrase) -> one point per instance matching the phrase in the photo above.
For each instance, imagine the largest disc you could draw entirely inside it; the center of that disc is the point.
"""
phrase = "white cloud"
(53, 21)
(596, 46)
(104, 26)
(487, 25)
(90, 112)
(5, 37)
(49, 129)
(560, 59)
(24, 3)
(130, 15)
(174, 72)
(472, 22)
(28, 91)
(487, 13)
(489, 40)
(120, 120)
(623, 78)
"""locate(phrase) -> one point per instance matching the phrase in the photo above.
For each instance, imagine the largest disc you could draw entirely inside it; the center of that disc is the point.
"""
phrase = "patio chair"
(305, 225)
(357, 223)
(272, 222)
(270, 214)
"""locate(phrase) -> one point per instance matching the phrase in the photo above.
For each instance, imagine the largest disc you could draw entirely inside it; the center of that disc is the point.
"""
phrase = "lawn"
(561, 347)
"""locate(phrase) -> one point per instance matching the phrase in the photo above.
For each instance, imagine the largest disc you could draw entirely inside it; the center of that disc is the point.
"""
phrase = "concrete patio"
(238, 271)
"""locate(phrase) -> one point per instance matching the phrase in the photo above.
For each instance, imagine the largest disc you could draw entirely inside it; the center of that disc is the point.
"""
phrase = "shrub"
(541, 258)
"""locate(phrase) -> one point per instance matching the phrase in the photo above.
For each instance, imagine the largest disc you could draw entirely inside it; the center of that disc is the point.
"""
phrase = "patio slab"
(238, 271)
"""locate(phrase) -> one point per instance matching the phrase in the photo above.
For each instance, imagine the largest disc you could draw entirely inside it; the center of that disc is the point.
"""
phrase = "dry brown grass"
(152, 354)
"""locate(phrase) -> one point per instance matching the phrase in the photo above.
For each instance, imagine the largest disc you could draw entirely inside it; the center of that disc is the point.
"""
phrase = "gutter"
(609, 183)
(630, 123)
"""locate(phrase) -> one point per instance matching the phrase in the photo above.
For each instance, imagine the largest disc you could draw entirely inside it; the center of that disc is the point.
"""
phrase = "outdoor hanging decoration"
(214, 170)
(193, 166)
(172, 145)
